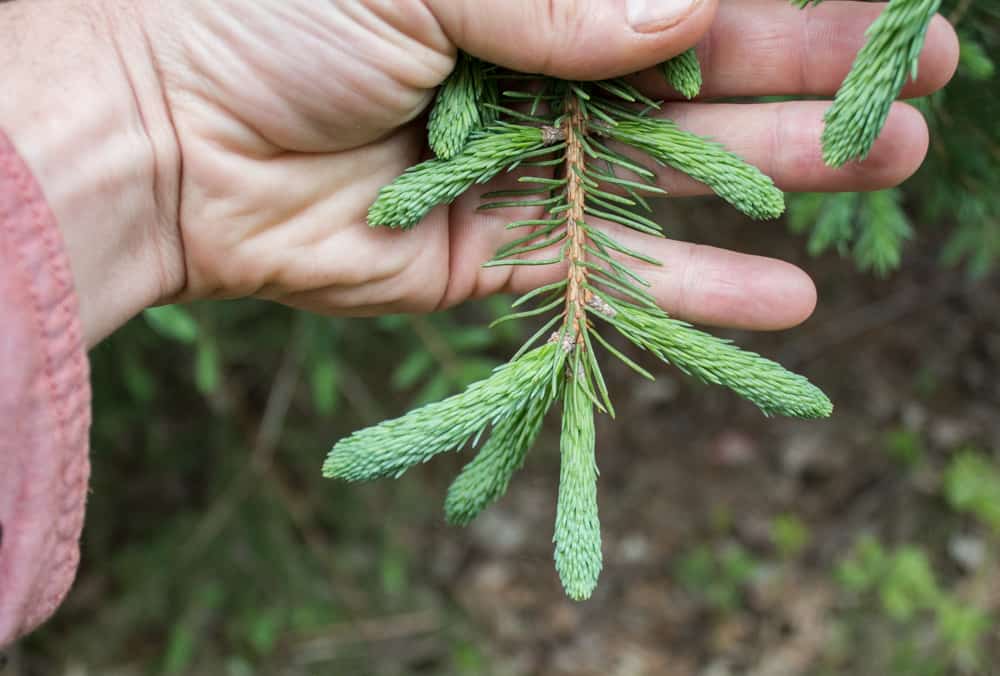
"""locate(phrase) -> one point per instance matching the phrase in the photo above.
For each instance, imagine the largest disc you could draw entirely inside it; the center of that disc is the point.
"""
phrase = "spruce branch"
(577, 535)
(486, 477)
(767, 384)
(456, 111)
(571, 132)
(884, 229)
(683, 73)
(888, 58)
(392, 447)
(404, 202)
(741, 184)
(871, 226)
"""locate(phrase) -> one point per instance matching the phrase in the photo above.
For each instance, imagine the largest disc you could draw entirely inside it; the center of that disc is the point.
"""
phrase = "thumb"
(575, 39)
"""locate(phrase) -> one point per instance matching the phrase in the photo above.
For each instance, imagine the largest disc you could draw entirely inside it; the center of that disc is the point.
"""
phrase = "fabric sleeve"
(44, 406)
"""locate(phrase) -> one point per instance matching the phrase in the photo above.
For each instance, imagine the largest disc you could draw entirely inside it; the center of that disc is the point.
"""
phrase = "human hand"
(288, 116)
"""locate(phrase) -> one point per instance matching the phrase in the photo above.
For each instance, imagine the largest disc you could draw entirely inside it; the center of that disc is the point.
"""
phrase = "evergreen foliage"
(718, 362)
(459, 107)
(485, 479)
(882, 67)
(578, 529)
(683, 72)
(742, 185)
(392, 447)
(872, 227)
(954, 186)
(405, 201)
(574, 135)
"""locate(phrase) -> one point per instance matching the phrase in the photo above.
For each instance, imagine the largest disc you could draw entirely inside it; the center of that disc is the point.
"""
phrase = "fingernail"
(650, 16)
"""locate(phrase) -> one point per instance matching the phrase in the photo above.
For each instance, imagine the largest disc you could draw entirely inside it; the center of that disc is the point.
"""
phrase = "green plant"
(905, 446)
(567, 137)
(718, 576)
(951, 188)
(790, 535)
(972, 485)
(935, 631)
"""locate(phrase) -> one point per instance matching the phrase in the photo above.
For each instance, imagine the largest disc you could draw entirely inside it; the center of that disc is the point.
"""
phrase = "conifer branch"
(570, 131)
(392, 447)
(683, 73)
(578, 529)
(767, 384)
(457, 106)
(881, 68)
(741, 184)
(404, 202)
(485, 479)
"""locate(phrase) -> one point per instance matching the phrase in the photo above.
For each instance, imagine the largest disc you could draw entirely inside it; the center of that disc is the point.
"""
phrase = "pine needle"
(404, 202)
(486, 478)
(683, 73)
(455, 114)
(578, 529)
(880, 70)
(392, 447)
(741, 184)
(775, 390)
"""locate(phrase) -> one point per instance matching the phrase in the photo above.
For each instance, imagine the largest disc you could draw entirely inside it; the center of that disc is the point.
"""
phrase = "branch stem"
(574, 127)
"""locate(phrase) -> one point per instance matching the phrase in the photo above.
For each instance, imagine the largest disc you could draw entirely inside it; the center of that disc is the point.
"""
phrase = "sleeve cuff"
(44, 406)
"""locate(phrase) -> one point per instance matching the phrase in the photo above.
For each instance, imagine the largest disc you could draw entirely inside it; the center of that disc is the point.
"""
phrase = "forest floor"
(728, 537)
(723, 530)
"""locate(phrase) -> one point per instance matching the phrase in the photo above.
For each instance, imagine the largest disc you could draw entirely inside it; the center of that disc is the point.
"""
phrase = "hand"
(279, 121)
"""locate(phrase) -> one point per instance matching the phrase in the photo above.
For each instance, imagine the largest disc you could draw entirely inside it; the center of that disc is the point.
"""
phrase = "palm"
(298, 114)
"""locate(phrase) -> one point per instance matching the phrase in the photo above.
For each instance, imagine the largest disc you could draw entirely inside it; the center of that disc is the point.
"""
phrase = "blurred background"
(867, 544)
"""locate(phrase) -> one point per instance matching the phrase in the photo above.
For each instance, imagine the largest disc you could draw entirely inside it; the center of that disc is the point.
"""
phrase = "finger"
(769, 47)
(575, 39)
(783, 140)
(706, 285)
(701, 284)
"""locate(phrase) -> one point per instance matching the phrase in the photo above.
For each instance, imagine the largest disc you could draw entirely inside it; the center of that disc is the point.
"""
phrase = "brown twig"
(326, 644)
(574, 128)
(265, 444)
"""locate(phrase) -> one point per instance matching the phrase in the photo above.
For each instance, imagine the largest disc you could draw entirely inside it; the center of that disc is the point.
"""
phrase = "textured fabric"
(44, 407)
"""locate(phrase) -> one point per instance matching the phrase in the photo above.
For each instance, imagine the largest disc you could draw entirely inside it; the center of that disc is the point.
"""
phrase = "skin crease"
(289, 115)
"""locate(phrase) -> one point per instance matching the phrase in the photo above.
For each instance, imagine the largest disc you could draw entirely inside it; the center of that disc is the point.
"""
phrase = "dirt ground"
(696, 487)
(918, 354)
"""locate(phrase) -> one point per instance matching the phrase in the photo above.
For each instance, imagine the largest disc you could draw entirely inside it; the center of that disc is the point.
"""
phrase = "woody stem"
(574, 126)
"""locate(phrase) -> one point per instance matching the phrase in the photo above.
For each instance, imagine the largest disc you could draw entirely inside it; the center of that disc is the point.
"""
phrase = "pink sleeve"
(44, 407)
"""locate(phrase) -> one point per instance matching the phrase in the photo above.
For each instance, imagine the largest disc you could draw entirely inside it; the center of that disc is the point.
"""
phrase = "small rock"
(446, 559)
(948, 432)
(492, 578)
(499, 532)
(718, 668)
(653, 393)
(914, 416)
(633, 548)
(807, 453)
(967, 551)
(733, 448)
(563, 619)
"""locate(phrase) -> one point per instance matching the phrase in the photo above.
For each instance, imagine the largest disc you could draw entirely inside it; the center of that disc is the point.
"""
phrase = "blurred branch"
(328, 642)
(265, 444)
